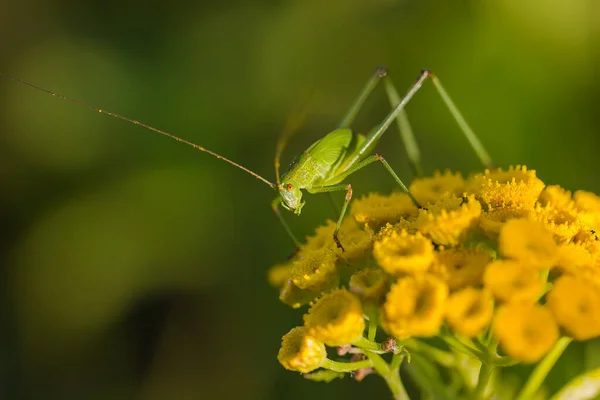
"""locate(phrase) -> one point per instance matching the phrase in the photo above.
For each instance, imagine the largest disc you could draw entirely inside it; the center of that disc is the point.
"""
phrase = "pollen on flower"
(415, 306)
(513, 281)
(492, 221)
(375, 210)
(576, 306)
(469, 311)
(449, 220)
(430, 189)
(300, 351)
(529, 242)
(526, 332)
(564, 222)
(315, 270)
(517, 186)
(336, 318)
(461, 267)
(401, 253)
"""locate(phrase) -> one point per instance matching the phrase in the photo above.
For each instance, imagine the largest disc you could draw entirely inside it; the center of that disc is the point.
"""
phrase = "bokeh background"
(134, 266)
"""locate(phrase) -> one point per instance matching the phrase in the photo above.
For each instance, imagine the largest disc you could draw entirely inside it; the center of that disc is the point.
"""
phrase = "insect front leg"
(336, 188)
(275, 207)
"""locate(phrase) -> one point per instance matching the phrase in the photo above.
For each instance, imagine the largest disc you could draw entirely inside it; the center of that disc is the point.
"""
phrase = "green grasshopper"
(324, 166)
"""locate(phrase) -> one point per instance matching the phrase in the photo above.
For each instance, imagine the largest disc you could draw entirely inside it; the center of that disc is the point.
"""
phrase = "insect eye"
(289, 187)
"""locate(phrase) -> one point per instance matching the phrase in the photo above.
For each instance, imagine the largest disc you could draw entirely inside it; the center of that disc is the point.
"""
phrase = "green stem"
(482, 382)
(367, 344)
(372, 327)
(441, 357)
(543, 368)
(338, 366)
(391, 376)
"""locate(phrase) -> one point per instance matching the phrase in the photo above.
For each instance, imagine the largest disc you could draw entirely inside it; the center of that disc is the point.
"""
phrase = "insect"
(323, 167)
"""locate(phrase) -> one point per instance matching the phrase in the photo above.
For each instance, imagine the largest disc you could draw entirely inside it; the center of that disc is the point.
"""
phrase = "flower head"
(430, 189)
(588, 205)
(461, 267)
(376, 210)
(279, 274)
(526, 331)
(512, 188)
(336, 318)
(448, 220)
(400, 253)
(564, 223)
(469, 311)
(492, 221)
(528, 242)
(513, 281)
(556, 196)
(415, 306)
(369, 284)
(358, 243)
(576, 306)
(301, 352)
(315, 270)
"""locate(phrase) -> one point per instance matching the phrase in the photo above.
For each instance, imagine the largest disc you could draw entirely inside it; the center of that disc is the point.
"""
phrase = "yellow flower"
(415, 306)
(376, 210)
(301, 352)
(573, 258)
(369, 284)
(590, 240)
(336, 318)
(357, 242)
(513, 281)
(429, 189)
(322, 238)
(526, 332)
(399, 252)
(556, 196)
(469, 311)
(448, 220)
(576, 306)
(279, 274)
(461, 267)
(589, 206)
(529, 242)
(492, 221)
(295, 297)
(316, 269)
(564, 223)
(517, 187)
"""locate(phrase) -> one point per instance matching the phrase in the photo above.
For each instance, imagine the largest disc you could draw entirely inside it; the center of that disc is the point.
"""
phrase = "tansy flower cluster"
(496, 268)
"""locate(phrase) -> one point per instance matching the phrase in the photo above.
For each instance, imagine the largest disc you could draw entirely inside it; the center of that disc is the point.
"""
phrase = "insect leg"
(370, 160)
(483, 155)
(406, 132)
(336, 188)
(348, 119)
(275, 206)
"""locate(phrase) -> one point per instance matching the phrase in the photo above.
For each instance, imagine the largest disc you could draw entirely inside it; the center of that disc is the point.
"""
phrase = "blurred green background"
(134, 266)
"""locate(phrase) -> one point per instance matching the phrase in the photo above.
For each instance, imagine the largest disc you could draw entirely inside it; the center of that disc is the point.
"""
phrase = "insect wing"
(332, 148)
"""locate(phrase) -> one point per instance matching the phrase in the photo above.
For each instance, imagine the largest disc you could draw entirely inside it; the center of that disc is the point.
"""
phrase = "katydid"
(330, 160)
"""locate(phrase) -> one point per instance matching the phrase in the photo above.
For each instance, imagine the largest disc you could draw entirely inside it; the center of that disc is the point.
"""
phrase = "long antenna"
(136, 122)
